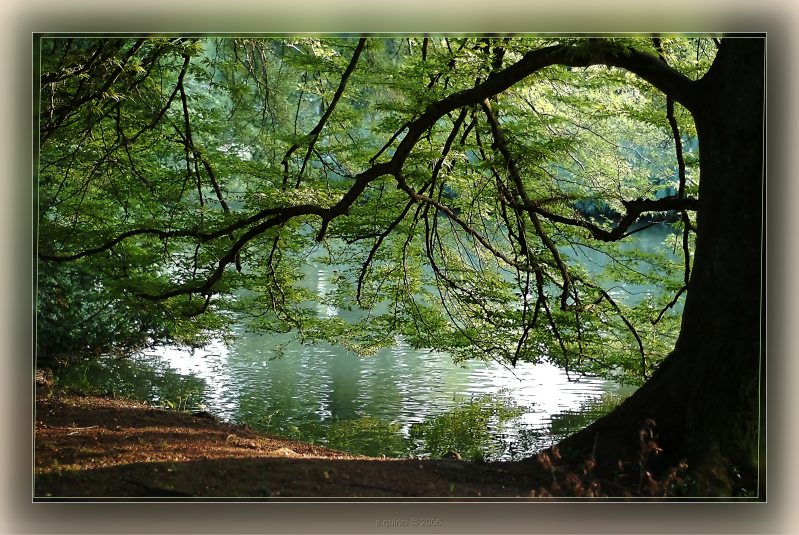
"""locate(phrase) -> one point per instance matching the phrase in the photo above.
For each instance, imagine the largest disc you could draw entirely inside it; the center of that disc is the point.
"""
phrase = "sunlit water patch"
(400, 402)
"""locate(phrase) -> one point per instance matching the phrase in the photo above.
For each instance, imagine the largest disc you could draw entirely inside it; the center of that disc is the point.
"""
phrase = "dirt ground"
(91, 447)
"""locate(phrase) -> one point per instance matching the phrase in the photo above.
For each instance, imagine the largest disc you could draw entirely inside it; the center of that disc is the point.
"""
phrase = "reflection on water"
(400, 402)
(134, 378)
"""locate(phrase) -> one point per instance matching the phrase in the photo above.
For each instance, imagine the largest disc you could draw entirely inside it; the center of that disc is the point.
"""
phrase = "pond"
(399, 402)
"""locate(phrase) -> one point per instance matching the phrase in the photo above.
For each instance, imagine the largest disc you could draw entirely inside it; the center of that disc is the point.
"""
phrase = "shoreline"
(97, 447)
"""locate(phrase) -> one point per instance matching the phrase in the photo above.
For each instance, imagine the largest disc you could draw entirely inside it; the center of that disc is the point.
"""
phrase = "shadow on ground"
(260, 477)
(90, 447)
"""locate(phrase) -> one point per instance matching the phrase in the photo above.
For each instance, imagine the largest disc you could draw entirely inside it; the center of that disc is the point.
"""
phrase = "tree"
(706, 397)
(456, 183)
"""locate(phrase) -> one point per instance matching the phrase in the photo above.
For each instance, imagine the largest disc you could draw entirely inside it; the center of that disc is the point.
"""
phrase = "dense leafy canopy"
(473, 195)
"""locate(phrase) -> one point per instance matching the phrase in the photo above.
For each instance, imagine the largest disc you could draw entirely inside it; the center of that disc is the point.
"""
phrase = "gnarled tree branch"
(648, 67)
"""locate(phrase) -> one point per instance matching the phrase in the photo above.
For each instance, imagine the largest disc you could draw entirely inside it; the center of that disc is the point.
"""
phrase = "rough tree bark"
(705, 399)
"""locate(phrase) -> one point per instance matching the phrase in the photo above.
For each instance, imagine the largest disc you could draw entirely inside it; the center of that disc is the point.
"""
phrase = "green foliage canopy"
(453, 183)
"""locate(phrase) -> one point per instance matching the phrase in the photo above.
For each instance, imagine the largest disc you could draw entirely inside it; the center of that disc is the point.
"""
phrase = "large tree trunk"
(705, 399)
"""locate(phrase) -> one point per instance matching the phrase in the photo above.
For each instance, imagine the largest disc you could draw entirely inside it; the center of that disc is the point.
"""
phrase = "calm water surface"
(308, 389)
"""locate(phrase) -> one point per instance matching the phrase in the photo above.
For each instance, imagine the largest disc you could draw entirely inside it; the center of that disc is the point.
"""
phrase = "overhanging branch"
(634, 209)
(647, 67)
